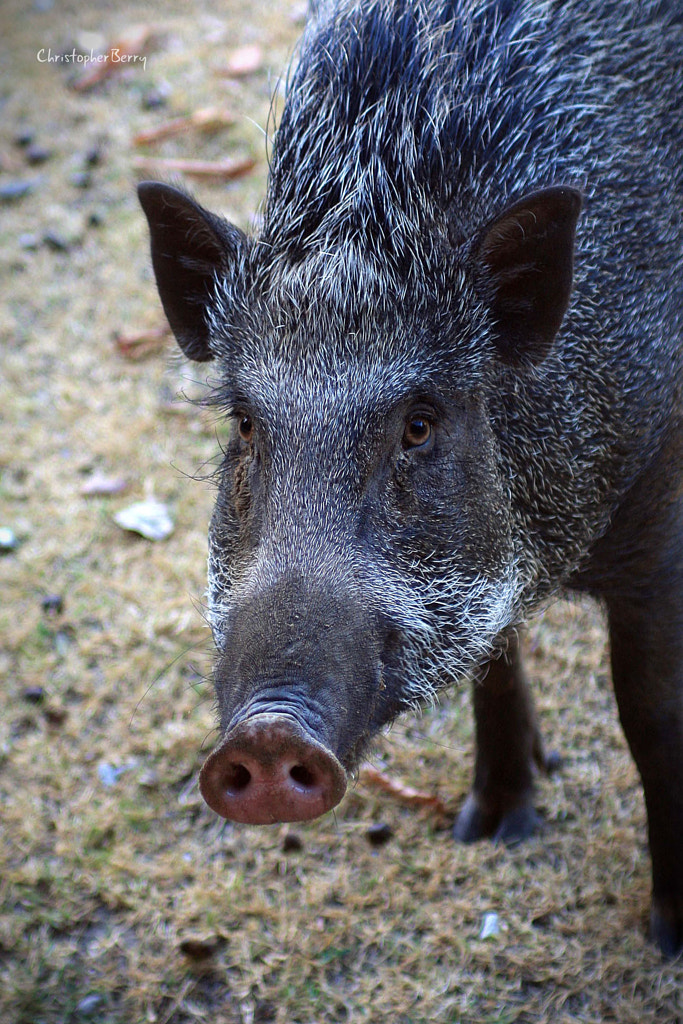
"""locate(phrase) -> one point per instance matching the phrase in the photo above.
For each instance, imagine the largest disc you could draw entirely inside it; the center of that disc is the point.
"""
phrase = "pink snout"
(269, 769)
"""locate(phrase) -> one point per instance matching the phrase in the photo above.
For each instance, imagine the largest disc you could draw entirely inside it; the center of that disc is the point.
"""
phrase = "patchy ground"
(122, 898)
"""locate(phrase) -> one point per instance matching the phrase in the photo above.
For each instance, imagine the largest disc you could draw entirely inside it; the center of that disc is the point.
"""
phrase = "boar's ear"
(189, 245)
(523, 269)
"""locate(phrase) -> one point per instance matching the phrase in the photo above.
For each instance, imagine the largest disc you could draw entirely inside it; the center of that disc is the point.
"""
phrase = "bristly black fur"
(404, 118)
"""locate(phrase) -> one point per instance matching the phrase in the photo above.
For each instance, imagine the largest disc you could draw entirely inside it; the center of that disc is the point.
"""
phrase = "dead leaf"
(221, 170)
(141, 344)
(208, 119)
(406, 794)
(243, 61)
(123, 52)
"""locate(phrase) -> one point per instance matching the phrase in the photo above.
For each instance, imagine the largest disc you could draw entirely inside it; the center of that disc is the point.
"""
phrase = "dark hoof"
(666, 930)
(512, 826)
(517, 825)
(471, 823)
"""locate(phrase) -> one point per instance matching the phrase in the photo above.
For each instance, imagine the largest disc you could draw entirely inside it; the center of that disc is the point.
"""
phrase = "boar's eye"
(418, 431)
(246, 428)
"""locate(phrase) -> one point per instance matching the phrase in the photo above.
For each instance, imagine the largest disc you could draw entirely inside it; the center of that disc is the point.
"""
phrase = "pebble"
(64, 638)
(490, 926)
(93, 157)
(53, 240)
(66, 229)
(292, 843)
(52, 604)
(109, 775)
(34, 694)
(89, 1004)
(156, 97)
(8, 539)
(81, 179)
(36, 154)
(198, 949)
(15, 189)
(56, 716)
(149, 779)
(86, 41)
(27, 240)
(24, 137)
(99, 484)
(379, 834)
(148, 518)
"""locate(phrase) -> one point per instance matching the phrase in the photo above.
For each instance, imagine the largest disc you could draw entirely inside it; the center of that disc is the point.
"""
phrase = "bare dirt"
(122, 897)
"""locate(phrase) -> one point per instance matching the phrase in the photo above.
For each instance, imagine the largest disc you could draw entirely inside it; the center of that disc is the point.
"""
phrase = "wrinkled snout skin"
(298, 682)
(452, 368)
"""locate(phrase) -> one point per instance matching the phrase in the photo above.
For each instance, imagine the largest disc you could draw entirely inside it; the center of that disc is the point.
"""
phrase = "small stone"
(65, 229)
(149, 779)
(52, 604)
(109, 774)
(89, 1004)
(81, 179)
(36, 154)
(490, 926)
(56, 716)
(90, 42)
(93, 157)
(34, 694)
(29, 241)
(198, 948)
(292, 843)
(55, 241)
(152, 100)
(99, 484)
(64, 638)
(8, 539)
(379, 834)
(148, 518)
(24, 137)
(15, 189)
(156, 97)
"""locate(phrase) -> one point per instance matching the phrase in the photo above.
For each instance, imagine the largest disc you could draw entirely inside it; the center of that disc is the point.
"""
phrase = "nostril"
(269, 769)
(237, 778)
(303, 776)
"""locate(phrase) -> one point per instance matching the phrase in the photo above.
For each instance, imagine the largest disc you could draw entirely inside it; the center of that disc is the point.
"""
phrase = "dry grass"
(131, 902)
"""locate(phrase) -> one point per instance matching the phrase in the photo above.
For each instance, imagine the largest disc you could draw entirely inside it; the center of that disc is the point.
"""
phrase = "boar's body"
(433, 431)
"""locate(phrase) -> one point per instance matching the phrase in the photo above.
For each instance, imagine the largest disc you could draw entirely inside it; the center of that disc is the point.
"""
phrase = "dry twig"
(221, 170)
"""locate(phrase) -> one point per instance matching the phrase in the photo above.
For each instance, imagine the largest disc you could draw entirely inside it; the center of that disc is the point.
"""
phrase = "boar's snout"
(269, 769)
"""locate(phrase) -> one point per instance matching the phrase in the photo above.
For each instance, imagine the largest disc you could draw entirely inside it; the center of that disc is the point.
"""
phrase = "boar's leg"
(647, 667)
(500, 805)
(637, 568)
